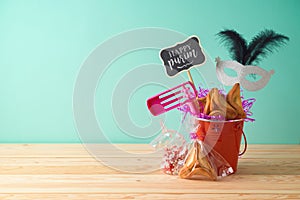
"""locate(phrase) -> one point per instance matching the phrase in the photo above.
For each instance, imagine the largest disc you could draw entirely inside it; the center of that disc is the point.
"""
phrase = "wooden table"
(68, 171)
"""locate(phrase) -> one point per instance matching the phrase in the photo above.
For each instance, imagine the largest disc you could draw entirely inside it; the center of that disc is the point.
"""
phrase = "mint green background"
(44, 43)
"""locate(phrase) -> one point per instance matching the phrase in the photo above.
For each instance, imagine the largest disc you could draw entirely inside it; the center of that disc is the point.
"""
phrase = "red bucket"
(224, 137)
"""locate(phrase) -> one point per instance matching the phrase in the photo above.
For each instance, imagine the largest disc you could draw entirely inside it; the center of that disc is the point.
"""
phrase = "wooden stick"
(190, 77)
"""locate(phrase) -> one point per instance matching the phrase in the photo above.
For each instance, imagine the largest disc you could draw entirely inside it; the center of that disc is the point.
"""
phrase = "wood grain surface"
(68, 171)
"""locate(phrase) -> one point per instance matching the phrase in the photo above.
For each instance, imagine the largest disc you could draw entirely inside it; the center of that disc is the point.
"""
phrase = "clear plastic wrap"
(202, 160)
(175, 150)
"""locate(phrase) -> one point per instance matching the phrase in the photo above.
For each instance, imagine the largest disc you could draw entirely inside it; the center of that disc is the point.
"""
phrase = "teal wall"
(44, 43)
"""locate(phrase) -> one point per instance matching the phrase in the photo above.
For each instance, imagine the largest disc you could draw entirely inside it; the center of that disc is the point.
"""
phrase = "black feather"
(236, 44)
(265, 42)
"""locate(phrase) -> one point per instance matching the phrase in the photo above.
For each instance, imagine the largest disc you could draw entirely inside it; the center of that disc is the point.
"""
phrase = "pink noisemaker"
(184, 93)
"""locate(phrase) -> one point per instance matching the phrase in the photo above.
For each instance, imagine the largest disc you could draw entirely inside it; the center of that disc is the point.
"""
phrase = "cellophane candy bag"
(201, 160)
(174, 147)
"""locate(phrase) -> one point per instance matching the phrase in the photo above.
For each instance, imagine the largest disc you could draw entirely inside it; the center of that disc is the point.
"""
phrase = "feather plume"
(262, 44)
(236, 44)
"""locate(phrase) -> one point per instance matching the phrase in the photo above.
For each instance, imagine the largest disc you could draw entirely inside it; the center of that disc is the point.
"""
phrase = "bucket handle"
(245, 145)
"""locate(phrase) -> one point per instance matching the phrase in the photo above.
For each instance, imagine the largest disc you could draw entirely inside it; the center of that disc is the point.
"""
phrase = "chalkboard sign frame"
(167, 53)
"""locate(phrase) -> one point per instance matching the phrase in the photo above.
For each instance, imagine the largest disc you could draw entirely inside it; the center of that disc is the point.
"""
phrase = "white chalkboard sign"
(182, 56)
